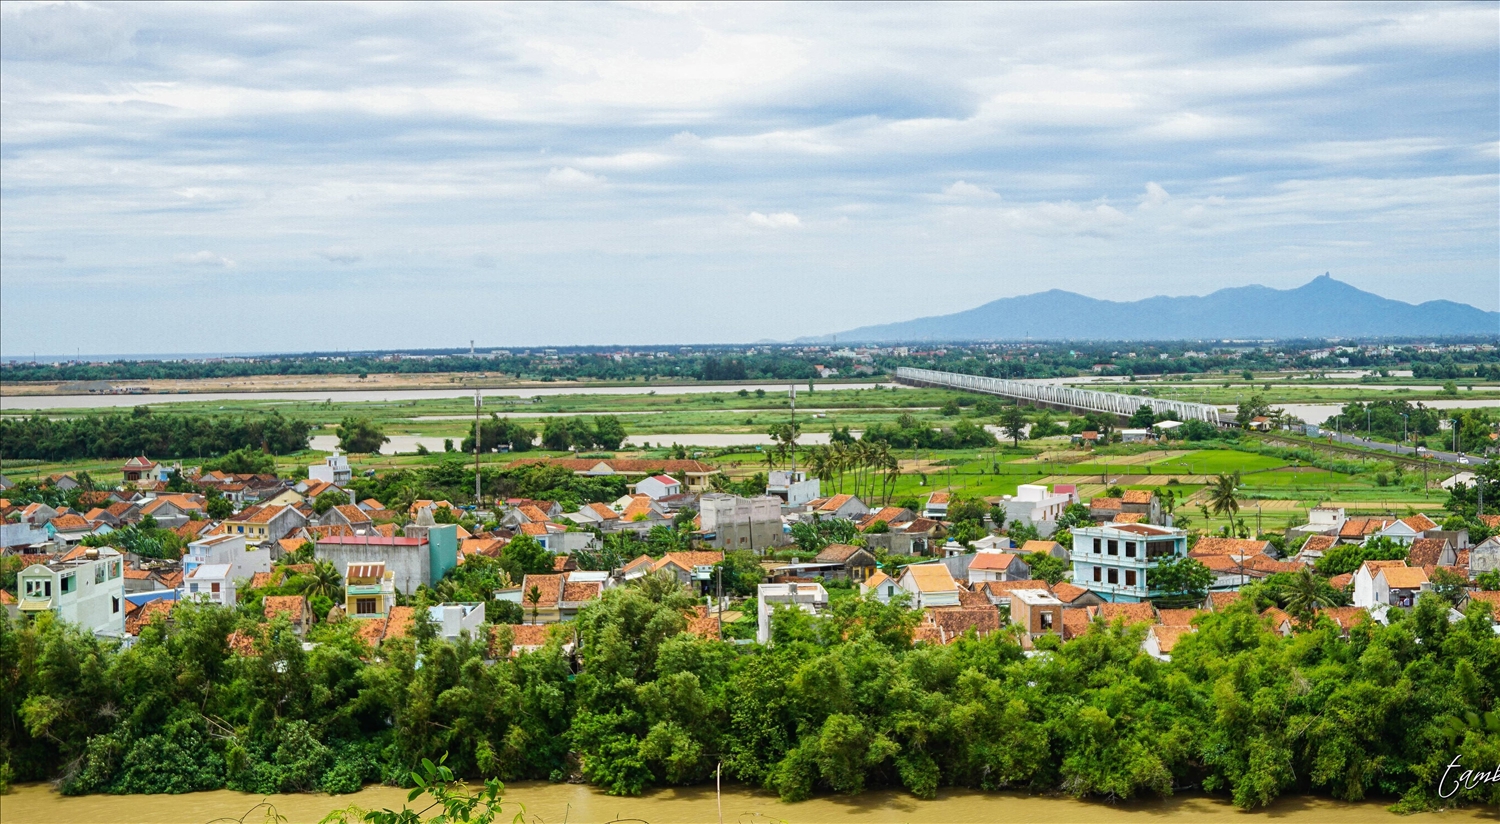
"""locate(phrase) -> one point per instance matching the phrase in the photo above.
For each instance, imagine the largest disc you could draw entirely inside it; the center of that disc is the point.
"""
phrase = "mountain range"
(1321, 308)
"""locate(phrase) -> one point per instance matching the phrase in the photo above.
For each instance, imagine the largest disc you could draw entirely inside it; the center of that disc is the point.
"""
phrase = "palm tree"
(1306, 594)
(1222, 498)
(534, 595)
(323, 580)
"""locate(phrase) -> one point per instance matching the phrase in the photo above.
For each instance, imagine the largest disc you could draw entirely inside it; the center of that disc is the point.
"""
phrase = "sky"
(295, 177)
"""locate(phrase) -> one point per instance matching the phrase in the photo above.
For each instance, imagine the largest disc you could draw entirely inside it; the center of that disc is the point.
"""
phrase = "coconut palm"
(1306, 593)
(323, 580)
(1222, 496)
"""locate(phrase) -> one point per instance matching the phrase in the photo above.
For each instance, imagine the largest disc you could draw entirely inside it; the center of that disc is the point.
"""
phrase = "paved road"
(1405, 451)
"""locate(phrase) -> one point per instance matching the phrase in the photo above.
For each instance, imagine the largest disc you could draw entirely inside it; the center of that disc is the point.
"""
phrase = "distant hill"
(1321, 308)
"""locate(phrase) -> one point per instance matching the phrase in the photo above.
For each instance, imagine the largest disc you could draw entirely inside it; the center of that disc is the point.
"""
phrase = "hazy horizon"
(296, 178)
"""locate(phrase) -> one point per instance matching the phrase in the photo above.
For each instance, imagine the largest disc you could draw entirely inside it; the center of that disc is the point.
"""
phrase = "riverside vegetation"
(840, 704)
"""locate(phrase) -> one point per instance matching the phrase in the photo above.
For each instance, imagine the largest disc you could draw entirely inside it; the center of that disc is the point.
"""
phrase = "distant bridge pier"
(1064, 398)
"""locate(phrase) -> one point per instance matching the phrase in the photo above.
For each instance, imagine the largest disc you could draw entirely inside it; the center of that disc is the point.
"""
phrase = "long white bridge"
(1055, 395)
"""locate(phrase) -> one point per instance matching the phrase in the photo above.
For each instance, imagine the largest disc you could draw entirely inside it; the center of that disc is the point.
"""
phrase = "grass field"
(1280, 489)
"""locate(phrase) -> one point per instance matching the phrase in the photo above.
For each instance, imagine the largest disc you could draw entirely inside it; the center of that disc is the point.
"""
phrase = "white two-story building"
(87, 589)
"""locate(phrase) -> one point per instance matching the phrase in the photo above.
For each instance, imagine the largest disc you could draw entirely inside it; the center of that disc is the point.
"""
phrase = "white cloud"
(339, 254)
(204, 258)
(570, 178)
(964, 190)
(1155, 196)
(775, 220)
(1132, 145)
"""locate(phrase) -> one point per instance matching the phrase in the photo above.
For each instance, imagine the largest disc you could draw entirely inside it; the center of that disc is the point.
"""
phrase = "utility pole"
(719, 601)
(794, 435)
(477, 404)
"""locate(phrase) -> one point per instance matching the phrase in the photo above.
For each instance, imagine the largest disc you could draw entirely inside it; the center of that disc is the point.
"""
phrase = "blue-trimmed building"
(1115, 560)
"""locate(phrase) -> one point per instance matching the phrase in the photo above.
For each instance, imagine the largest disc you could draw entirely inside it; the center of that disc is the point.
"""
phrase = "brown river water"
(576, 804)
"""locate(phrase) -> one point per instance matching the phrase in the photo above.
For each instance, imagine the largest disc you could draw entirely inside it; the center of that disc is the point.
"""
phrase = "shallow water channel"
(577, 804)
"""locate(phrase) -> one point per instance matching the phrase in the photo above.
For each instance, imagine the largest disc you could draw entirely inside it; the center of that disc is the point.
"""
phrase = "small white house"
(793, 488)
(244, 560)
(455, 619)
(930, 585)
(657, 487)
(810, 598)
(1370, 587)
(334, 470)
(213, 583)
(881, 587)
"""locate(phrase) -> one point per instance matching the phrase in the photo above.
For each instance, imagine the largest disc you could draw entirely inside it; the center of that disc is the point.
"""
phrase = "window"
(1114, 547)
(1114, 576)
(98, 573)
(1158, 549)
(1130, 549)
(192, 587)
(214, 587)
(1046, 621)
(114, 569)
(1096, 546)
(1130, 577)
(364, 606)
(1097, 575)
(69, 583)
(114, 601)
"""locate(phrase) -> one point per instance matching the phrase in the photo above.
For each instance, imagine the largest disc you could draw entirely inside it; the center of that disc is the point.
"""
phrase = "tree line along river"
(579, 804)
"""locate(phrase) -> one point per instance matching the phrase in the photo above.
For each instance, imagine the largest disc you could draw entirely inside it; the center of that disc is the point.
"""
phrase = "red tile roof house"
(845, 507)
(294, 607)
(997, 566)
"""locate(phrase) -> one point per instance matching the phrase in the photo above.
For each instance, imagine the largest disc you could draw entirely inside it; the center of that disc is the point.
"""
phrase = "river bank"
(579, 804)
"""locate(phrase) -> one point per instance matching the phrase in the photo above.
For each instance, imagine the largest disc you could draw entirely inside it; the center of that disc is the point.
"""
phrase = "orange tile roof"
(6, 598)
(1075, 622)
(1105, 502)
(1138, 496)
(524, 637)
(1491, 598)
(1032, 547)
(953, 623)
(1345, 617)
(938, 498)
(992, 561)
(1129, 613)
(1425, 552)
(575, 593)
(290, 605)
(1168, 636)
(603, 512)
(549, 587)
(1319, 543)
(1221, 600)
(71, 522)
(832, 504)
(533, 514)
(1067, 593)
(1178, 617)
(1419, 522)
(1403, 577)
(534, 530)
(836, 553)
(136, 619)
(1360, 527)
(372, 504)
(640, 505)
(1228, 546)
(1341, 581)
(688, 560)
(353, 514)
(701, 624)
(930, 577)
(1129, 518)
